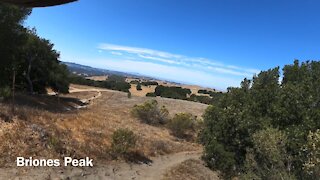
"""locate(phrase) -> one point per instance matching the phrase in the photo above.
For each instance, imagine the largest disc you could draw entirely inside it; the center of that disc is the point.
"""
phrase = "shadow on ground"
(137, 158)
(46, 102)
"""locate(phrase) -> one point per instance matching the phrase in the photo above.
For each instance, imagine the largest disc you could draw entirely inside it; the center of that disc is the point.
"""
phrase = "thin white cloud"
(255, 71)
(176, 59)
(229, 71)
(158, 59)
(178, 74)
(136, 50)
(165, 65)
(116, 53)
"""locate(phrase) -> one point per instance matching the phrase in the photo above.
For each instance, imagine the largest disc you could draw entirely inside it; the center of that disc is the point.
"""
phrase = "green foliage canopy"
(236, 124)
(29, 58)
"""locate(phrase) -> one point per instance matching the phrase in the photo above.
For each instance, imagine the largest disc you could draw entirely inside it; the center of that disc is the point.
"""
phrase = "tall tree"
(12, 38)
(42, 67)
(27, 60)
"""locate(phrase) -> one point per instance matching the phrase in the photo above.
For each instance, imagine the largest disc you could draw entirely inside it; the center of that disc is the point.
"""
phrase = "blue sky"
(212, 43)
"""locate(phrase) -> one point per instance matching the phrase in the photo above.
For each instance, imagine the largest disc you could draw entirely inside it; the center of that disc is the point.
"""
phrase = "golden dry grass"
(98, 78)
(53, 132)
(143, 92)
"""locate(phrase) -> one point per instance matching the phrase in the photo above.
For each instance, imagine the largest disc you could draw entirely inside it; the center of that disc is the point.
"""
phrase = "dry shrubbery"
(161, 147)
(151, 113)
(20, 139)
(124, 145)
(182, 125)
(32, 133)
(123, 141)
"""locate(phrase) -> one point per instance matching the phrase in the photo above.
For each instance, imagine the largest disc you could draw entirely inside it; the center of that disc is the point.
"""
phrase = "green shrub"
(5, 92)
(217, 157)
(201, 99)
(312, 148)
(173, 95)
(172, 92)
(181, 124)
(204, 91)
(268, 158)
(150, 83)
(151, 95)
(123, 141)
(116, 78)
(270, 144)
(113, 82)
(134, 82)
(150, 113)
(139, 87)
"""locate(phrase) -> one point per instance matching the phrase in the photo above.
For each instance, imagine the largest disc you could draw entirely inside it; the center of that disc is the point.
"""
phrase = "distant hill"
(87, 71)
(90, 71)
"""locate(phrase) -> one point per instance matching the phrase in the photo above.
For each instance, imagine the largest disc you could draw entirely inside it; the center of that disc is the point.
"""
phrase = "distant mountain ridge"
(88, 71)
(84, 70)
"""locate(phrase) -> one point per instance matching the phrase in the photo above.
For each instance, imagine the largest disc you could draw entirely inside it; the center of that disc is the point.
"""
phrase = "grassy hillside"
(48, 126)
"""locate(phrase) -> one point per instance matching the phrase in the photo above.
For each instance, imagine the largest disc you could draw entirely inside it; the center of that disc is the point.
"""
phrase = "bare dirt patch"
(191, 169)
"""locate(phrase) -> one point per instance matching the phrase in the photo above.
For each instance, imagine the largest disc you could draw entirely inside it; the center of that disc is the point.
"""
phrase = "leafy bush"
(139, 87)
(134, 82)
(116, 78)
(172, 92)
(150, 83)
(175, 92)
(113, 82)
(150, 113)
(217, 157)
(312, 150)
(201, 99)
(204, 91)
(151, 95)
(58, 80)
(268, 157)
(5, 92)
(120, 86)
(123, 141)
(181, 124)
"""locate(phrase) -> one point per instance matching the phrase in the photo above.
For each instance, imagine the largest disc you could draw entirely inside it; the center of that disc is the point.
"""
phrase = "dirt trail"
(112, 171)
(86, 101)
(156, 170)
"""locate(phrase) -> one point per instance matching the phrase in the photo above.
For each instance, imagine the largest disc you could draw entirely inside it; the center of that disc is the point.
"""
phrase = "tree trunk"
(58, 98)
(13, 93)
(30, 85)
